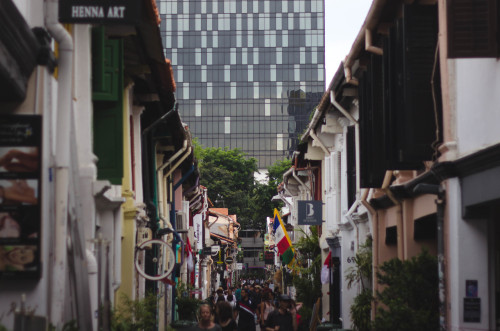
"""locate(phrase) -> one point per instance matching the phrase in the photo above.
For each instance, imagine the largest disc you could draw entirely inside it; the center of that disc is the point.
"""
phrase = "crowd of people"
(248, 308)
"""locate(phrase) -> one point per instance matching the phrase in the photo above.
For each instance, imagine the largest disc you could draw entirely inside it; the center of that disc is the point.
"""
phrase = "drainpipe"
(354, 206)
(440, 192)
(159, 176)
(356, 135)
(93, 288)
(368, 44)
(371, 20)
(294, 174)
(286, 175)
(57, 296)
(375, 255)
(323, 147)
(170, 171)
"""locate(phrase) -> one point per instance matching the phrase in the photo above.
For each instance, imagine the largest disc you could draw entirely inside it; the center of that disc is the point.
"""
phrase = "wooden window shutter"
(108, 115)
(351, 165)
(416, 118)
(472, 28)
(106, 68)
(372, 148)
(409, 114)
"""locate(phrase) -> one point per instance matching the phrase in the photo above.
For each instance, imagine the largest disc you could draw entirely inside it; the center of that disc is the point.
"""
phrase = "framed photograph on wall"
(20, 187)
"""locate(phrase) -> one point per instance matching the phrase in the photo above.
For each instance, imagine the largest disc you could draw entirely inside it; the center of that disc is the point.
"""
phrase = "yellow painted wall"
(128, 209)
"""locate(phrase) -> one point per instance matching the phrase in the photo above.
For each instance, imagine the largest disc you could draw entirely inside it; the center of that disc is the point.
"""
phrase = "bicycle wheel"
(160, 254)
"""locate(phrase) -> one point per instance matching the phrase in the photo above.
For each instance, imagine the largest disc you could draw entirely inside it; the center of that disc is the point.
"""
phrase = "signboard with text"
(99, 11)
(310, 212)
(20, 187)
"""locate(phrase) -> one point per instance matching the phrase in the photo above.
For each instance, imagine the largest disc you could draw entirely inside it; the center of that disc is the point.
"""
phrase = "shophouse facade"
(115, 164)
(416, 146)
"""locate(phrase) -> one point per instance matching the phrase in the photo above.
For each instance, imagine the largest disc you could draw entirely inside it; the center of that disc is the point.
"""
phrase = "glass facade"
(248, 73)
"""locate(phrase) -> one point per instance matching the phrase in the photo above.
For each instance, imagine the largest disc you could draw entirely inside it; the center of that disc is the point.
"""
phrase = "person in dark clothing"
(246, 311)
(220, 295)
(224, 316)
(282, 318)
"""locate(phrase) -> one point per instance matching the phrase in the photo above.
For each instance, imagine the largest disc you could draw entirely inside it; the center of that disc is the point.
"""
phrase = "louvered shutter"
(409, 111)
(472, 28)
(351, 165)
(372, 149)
(108, 110)
(417, 123)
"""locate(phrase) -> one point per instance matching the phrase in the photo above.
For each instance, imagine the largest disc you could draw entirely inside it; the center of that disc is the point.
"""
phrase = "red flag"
(325, 270)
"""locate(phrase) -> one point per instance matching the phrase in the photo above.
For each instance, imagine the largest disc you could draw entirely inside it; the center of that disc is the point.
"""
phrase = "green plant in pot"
(187, 306)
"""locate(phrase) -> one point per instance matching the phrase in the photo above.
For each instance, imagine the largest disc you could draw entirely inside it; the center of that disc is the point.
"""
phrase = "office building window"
(248, 72)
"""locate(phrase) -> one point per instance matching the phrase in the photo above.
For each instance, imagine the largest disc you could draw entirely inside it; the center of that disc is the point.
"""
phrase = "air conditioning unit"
(181, 221)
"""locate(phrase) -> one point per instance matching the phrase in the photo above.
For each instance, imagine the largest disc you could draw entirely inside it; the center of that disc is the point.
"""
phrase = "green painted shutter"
(107, 89)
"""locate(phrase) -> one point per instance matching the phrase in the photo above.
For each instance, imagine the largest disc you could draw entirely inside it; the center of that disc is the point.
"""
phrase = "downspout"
(159, 176)
(399, 220)
(294, 174)
(323, 147)
(356, 135)
(354, 206)
(371, 20)
(375, 254)
(146, 152)
(59, 262)
(440, 201)
(172, 214)
(286, 175)
(369, 45)
(170, 171)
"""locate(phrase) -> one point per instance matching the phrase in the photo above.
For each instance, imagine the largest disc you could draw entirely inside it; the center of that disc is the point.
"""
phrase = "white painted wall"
(476, 98)
(468, 260)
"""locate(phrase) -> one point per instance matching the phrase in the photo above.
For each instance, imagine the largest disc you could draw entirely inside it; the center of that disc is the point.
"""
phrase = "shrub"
(135, 314)
(410, 296)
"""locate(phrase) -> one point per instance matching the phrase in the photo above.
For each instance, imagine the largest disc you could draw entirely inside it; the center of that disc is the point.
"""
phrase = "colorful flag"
(283, 242)
(325, 270)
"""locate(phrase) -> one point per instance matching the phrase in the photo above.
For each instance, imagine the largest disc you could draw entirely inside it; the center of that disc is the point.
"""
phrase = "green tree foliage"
(307, 280)
(361, 273)
(410, 296)
(229, 176)
(135, 314)
(261, 201)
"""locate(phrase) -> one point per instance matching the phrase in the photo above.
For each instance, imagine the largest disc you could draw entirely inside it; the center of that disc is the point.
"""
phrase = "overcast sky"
(343, 20)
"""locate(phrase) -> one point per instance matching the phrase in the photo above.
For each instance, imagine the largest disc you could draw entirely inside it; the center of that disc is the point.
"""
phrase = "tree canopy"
(229, 176)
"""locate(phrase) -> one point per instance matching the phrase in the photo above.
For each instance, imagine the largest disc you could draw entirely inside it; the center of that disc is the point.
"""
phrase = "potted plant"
(187, 306)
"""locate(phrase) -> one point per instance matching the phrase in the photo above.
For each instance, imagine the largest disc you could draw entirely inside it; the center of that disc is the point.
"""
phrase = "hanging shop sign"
(99, 11)
(310, 212)
(20, 187)
(269, 257)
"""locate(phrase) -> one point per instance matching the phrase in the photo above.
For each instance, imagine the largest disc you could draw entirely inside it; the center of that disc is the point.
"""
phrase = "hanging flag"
(189, 256)
(283, 242)
(325, 270)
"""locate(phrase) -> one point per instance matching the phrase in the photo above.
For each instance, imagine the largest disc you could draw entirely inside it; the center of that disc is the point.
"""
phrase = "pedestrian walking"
(206, 322)
(266, 306)
(282, 318)
(245, 309)
(224, 316)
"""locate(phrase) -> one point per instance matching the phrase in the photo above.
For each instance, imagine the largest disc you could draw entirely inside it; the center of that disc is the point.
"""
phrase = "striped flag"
(283, 242)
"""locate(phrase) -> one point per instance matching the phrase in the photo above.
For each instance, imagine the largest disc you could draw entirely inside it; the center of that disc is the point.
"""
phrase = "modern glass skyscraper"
(248, 72)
